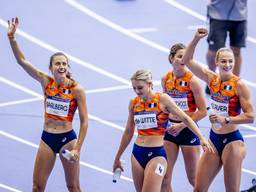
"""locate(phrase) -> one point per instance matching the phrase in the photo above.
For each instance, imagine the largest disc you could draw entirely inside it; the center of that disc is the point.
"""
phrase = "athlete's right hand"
(201, 32)
(12, 26)
(206, 145)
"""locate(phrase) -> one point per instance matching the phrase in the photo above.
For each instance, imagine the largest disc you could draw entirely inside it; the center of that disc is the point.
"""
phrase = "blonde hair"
(222, 50)
(143, 75)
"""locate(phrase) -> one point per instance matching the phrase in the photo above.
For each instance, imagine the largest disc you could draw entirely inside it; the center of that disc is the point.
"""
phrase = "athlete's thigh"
(208, 166)
(137, 174)
(44, 163)
(71, 169)
(191, 156)
(154, 174)
(232, 157)
(172, 151)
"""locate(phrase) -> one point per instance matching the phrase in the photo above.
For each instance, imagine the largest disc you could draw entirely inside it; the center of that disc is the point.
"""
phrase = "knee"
(73, 188)
(37, 187)
(232, 188)
(166, 181)
(198, 188)
(191, 180)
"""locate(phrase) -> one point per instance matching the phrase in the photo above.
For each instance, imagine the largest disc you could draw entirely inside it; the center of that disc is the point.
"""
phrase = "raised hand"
(201, 32)
(12, 26)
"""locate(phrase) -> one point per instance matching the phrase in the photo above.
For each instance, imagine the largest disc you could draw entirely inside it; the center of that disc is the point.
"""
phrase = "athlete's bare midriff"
(228, 128)
(149, 140)
(57, 126)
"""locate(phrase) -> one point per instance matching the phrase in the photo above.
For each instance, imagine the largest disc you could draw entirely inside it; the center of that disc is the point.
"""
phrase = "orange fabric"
(175, 86)
(162, 118)
(65, 93)
(226, 91)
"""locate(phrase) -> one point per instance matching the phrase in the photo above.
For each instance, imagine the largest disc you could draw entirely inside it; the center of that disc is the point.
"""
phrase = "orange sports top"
(60, 102)
(179, 90)
(149, 119)
(224, 99)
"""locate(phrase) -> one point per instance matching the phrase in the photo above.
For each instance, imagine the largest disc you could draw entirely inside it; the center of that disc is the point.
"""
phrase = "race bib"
(182, 103)
(219, 107)
(145, 120)
(57, 106)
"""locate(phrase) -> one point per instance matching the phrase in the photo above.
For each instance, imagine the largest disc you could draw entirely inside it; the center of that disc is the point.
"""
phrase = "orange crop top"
(149, 119)
(179, 90)
(224, 99)
(59, 102)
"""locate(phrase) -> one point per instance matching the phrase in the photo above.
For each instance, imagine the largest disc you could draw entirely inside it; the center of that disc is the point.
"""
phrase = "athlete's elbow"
(250, 117)
(203, 113)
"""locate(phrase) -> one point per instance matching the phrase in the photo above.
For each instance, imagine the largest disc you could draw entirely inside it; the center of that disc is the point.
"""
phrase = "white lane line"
(26, 90)
(186, 10)
(248, 171)
(19, 102)
(83, 163)
(72, 58)
(248, 127)
(120, 29)
(196, 15)
(249, 136)
(107, 89)
(18, 139)
(102, 121)
(19, 87)
(115, 26)
(90, 91)
(143, 30)
(9, 188)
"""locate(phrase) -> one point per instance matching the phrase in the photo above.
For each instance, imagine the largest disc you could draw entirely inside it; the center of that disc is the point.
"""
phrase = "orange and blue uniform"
(150, 120)
(179, 90)
(148, 117)
(224, 101)
(60, 104)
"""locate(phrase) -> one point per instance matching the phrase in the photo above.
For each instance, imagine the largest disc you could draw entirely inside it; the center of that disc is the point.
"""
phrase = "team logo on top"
(228, 87)
(183, 83)
(66, 91)
(152, 105)
(51, 88)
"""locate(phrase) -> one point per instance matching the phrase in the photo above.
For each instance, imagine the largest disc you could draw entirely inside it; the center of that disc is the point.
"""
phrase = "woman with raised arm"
(62, 96)
(148, 112)
(184, 88)
(229, 94)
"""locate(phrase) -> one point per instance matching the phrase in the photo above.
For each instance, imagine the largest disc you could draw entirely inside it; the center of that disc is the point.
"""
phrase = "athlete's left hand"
(175, 128)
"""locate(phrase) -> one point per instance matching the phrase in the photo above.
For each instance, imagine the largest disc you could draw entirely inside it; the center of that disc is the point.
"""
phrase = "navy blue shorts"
(57, 140)
(185, 137)
(144, 154)
(219, 30)
(221, 140)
